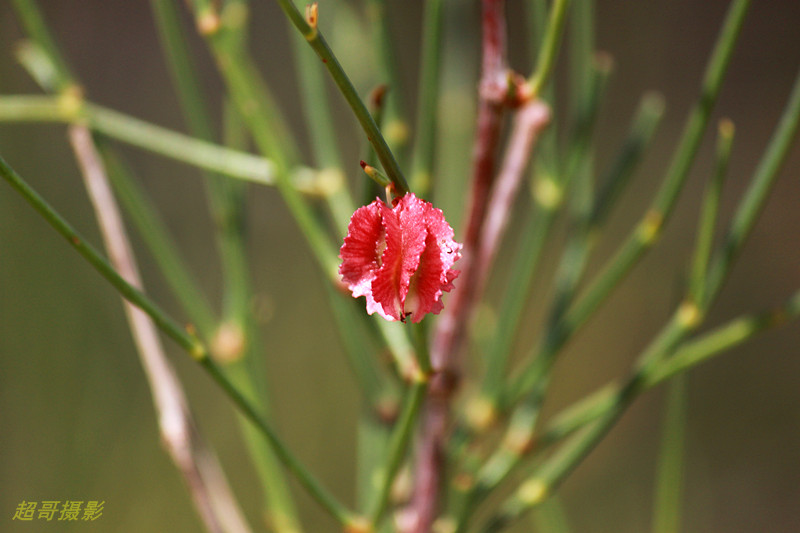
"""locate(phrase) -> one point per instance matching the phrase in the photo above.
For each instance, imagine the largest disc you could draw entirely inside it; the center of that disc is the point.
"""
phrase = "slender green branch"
(236, 339)
(550, 192)
(722, 339)
(162, 247)
(398, 448)
(593, 416)
(647, 118)
(523, 421)
(667, 509)
(583, 62)
(427, 109)
(760, 185)
(322, 132)
(396, 125)
(62, 78)
(550, 46)
(690, 354)
(599, 414)
(183, 336)
(648, 230)
(209, 156)
(320, 46)
(310, 483)
(375, 386)
(547, 152)
(555, 469)
(708, 213)
(249, 93)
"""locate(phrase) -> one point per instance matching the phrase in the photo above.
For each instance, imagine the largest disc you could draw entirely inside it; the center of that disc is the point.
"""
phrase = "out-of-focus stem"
(322, 133)
(658, 362)
(162, 247)
(398, 448)
(545, 61)
(427, 109)
(396, 118)
(648, 230)
(755, 198)
(183, 337)
(212, 496)
(709, 211)
(249, 92)
(667, 507)
(549, 196)
(450, 328)
(162, 141)
(529, 121)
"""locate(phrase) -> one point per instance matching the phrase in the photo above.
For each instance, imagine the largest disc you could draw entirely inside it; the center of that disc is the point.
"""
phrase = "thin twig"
(529, 121)
(212, 496)
(493, 91)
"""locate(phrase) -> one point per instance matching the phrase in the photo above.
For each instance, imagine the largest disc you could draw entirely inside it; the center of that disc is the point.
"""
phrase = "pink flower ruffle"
(400, 258)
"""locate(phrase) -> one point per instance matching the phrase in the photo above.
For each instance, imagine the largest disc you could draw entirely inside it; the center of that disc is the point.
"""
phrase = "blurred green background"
(76, 419)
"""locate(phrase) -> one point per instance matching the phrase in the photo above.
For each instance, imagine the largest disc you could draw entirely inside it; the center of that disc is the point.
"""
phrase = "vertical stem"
(709, 212)
(450, 327)
(215, 503)
(667, 511)
(427, 109)
(236, 338)
(396, 119)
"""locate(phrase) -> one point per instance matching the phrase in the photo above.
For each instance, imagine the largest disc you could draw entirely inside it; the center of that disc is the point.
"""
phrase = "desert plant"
(449, 443)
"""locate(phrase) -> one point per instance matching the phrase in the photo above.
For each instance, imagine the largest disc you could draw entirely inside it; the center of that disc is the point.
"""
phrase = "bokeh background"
(76, 419)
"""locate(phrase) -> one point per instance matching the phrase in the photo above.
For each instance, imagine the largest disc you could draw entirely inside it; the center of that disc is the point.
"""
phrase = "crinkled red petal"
(405, 242)
(399, 258)
(360, 253)
(434, 274)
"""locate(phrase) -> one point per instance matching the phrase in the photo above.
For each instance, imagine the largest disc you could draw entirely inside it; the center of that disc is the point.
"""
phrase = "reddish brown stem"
(529, 121)
(450, 328)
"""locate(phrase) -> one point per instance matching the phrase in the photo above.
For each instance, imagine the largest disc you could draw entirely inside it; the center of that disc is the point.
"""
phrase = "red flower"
(401, 258)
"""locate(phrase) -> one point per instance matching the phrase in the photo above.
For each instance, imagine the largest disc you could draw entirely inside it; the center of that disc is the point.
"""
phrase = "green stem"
(595, 415)
(209, 156)
(251, 97)
(186, 339)
(322, 132)
(398, 448)
(547, 148)
(723, 338)
(551, 191)
(687, 356)
(647, 232)
(667, 511)
(555, 469)
(309, 482)
(375, 386)
(160, 243)
(760, 185)
(31, 16)
(546, 59)
(708, 213)
(320, 46)
(427, 109)
(647, 118)
(225, 198)
(396, 130)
